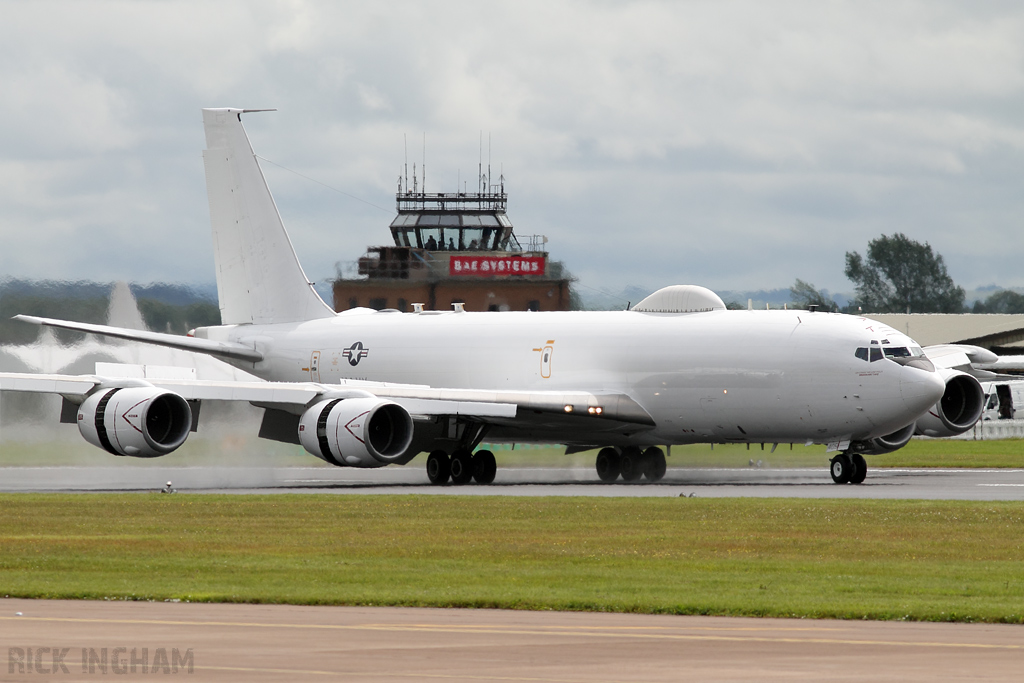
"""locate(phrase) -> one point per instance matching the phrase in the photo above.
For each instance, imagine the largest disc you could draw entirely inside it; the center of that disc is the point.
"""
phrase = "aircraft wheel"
(607, 464)
(631, 463)
(654, 461)
(462, 466)
(841, 468)
(439, 467)
(860, 469)
(484, 467)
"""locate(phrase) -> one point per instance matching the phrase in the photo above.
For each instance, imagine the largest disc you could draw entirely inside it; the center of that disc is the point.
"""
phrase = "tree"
(803, 295)
(1006, 301)
(901, 275)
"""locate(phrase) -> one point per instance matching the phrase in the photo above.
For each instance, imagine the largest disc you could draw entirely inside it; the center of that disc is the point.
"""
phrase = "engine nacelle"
(957, 410)
(356, 432)
(886, 444)
(143, 422)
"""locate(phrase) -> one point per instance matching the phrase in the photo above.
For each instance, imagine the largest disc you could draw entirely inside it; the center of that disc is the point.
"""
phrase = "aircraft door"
(546, 352)
(314, 367)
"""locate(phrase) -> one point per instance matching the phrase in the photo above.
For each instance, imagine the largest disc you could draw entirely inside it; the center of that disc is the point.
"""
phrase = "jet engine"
(888, 443)
(957, 410)
(143, 422)
(356, 432)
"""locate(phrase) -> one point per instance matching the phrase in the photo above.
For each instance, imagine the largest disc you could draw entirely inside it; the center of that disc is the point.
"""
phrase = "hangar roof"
(986, 330)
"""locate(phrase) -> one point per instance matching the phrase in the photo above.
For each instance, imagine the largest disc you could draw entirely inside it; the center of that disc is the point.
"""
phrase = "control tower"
(450, 248)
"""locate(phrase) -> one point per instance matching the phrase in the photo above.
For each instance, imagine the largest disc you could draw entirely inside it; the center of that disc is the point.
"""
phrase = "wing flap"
(477, 409)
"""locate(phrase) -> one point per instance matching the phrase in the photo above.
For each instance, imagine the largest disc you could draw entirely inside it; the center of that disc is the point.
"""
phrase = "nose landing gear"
(848, 469)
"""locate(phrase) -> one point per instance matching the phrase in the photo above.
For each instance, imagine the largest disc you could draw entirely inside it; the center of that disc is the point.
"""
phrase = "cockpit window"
(876, 354)
(862, 353)
(896, 352)
(916, 351)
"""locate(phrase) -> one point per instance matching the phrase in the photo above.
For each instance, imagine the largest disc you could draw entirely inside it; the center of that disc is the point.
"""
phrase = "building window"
(533, 305)
(378, 304)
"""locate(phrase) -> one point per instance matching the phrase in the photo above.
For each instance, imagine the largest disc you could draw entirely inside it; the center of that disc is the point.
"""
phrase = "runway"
(285, 642)
(928, 484)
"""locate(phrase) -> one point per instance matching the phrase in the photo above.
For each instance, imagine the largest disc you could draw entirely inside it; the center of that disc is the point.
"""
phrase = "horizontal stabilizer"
(174, 341)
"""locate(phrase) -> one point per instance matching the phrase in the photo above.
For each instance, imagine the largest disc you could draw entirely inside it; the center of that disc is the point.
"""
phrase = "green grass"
(917, 560)
(954, 453)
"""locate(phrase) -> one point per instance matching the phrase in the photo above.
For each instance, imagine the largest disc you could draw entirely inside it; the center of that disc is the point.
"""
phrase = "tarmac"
(928, 484)
(217, 642)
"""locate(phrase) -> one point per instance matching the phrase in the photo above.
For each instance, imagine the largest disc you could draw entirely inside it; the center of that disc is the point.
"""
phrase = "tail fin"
(259, 279)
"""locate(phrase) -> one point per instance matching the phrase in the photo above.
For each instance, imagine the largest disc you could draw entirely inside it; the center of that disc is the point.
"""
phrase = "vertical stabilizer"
(259, 279)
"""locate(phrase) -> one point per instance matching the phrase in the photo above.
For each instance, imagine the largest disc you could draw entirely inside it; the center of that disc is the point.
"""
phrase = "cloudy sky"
(738, 145)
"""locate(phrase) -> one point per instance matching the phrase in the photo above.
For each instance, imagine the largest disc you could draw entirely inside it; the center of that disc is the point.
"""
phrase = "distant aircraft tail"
(259, 279)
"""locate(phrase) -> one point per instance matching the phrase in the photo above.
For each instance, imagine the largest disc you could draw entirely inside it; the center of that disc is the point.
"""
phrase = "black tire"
(439, 467)
(860, 469)
(484, 467)
(607, 464)
(841, 468)
(654, 464)
(631, 464)
(462, 467)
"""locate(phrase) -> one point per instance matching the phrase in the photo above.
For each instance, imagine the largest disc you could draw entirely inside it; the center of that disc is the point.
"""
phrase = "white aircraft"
(367, 388)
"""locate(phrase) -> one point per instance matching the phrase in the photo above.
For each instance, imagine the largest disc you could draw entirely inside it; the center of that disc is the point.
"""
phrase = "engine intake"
(957, 410)
(356, 432)
(143, 422)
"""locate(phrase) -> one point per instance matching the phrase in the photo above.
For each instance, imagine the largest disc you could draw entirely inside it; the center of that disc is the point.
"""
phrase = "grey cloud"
(733, 144)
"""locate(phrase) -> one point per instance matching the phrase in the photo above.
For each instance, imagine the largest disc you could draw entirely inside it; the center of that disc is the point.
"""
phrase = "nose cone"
(920, 389)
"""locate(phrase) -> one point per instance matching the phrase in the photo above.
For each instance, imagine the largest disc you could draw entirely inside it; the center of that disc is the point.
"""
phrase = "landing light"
(568, 409)
(595, 410)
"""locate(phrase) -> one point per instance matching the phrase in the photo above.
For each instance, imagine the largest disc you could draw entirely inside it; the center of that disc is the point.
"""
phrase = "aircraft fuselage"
(785, 376)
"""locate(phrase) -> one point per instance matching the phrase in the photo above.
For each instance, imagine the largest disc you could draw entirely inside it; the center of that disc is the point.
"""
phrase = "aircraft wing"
(419, 400)
(1005, 363)
(294, 397)
(974, 360)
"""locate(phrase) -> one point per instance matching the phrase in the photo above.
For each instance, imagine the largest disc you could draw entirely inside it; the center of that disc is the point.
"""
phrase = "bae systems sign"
(487, 266)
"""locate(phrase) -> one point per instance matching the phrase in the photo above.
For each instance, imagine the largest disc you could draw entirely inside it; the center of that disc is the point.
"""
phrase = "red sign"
(488, 266)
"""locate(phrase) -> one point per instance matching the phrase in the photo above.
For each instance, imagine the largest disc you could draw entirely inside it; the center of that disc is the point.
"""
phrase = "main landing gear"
(462, 467)
(848, 469)
(630, 463)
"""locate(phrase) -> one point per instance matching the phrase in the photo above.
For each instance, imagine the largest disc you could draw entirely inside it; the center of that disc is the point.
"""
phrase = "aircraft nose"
(920, 389)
